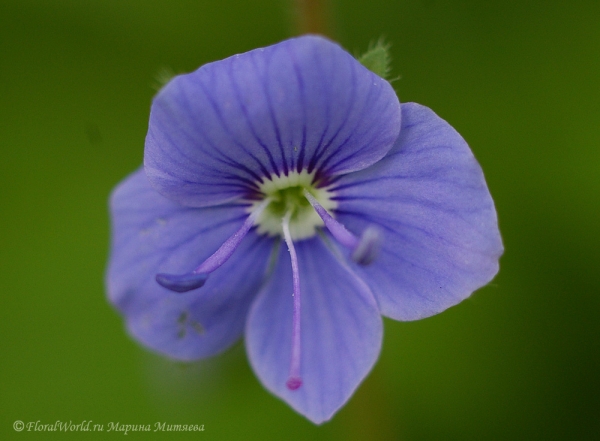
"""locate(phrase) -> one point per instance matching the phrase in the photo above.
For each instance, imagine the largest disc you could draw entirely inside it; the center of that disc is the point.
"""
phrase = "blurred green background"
(519, 80)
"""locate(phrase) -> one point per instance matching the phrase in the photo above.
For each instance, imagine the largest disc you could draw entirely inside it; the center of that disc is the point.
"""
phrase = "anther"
(367, 249)
(181, 283)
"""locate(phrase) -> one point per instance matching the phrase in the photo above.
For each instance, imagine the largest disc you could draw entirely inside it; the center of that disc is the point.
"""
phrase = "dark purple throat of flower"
(294, 208)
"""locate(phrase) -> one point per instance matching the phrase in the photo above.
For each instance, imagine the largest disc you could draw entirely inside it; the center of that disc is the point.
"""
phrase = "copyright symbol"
(18, 425)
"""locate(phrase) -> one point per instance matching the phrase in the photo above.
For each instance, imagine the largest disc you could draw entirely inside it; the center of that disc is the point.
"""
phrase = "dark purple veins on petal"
(304, 104)
(228, 131)
(238, 99)
(267, 91)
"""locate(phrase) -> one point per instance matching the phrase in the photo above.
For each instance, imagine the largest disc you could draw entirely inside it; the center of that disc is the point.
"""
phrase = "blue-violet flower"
(288, 196)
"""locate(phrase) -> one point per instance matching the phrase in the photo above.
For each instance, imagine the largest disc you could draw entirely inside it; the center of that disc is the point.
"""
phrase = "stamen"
(197, 278)
(294, 381)
(364, 250)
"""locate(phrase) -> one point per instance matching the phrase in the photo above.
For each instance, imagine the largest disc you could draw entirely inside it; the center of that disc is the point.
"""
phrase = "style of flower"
(287, 196)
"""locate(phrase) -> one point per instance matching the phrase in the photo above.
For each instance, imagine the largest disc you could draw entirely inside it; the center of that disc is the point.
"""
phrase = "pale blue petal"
(341, 331)
(304, 103)
(429, 197)
(154, 235)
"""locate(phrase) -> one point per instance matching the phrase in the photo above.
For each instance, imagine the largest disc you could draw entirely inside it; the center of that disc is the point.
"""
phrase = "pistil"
(294, 380)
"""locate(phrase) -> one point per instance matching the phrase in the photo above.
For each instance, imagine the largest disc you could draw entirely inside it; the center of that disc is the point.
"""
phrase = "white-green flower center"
(286, 194)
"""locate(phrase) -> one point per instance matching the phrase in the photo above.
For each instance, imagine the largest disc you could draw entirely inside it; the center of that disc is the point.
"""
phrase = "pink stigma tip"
(293, 383)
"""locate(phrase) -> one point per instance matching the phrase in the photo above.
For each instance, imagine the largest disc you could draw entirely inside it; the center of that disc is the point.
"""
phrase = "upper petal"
(302, 103)
(341, 331)
(429, 197)
(150, 235)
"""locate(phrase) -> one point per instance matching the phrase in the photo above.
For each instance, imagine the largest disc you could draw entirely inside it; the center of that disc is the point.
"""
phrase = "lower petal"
(341, 331)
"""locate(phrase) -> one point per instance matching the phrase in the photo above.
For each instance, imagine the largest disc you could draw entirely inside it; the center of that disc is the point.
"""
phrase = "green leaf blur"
(377, 58)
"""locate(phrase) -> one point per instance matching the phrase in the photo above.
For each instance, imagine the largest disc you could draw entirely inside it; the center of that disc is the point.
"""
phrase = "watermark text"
(112, 426)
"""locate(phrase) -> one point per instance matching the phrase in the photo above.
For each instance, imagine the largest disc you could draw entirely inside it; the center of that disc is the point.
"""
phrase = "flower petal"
(151, 235)
(304, 103)
(341, 331)
(429, 197)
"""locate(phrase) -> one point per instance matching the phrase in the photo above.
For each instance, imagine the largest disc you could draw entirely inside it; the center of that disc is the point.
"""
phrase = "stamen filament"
(294, 380)
(364, 249)
(341, 234)
(197, 278)
(225, 251)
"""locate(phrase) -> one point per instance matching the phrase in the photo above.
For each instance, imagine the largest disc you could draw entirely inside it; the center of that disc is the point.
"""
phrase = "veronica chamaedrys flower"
(287, 196)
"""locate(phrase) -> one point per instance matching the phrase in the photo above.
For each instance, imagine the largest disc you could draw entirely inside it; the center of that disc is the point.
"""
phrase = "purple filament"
(225, 251)
(341, 234)
(364, 250)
